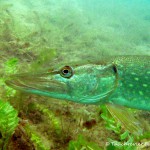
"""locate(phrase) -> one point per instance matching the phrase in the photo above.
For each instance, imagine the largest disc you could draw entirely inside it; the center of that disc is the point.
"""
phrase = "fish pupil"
(65, 71)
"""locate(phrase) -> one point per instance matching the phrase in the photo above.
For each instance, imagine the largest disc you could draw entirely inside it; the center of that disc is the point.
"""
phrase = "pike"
(116, 81)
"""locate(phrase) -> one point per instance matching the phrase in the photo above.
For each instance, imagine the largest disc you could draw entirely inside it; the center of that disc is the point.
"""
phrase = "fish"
(115, 80)
(119, 82)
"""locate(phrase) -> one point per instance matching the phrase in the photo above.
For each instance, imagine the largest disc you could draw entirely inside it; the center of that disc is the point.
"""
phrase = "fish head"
(88, 84)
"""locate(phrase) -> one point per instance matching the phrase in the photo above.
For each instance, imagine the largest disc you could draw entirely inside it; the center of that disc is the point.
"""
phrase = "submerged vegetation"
(8, 123)
(39, 35)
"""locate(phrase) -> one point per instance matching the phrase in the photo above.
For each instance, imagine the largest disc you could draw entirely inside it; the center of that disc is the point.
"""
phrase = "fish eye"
(66, 72)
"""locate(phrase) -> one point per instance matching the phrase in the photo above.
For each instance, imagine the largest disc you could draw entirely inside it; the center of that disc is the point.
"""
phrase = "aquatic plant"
(110, 122)
(9, 67)
(8, 123)
(39, 142)
(54, 121)
(82, 143)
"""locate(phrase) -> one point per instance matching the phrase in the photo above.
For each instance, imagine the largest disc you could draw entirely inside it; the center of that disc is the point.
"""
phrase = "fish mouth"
(36, 83)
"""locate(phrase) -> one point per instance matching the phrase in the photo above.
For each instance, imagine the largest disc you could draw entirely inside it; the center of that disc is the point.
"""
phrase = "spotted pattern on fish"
(134, 83)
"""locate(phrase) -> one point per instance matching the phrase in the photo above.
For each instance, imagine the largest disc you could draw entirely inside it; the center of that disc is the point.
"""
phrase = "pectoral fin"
(126, 117)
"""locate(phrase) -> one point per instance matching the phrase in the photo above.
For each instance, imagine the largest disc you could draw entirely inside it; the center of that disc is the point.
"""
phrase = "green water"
(81, 28)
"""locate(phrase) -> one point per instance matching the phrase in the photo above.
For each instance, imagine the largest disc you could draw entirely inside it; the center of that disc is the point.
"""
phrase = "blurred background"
(75, 28)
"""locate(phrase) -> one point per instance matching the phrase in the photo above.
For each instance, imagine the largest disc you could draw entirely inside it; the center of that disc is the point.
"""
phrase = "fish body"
(120, 80)
(133, 82)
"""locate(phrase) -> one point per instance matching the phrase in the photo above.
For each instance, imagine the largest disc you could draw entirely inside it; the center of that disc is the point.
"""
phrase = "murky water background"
(80, 28)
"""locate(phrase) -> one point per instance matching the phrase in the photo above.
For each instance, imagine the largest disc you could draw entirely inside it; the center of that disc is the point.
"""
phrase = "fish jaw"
(38, 83)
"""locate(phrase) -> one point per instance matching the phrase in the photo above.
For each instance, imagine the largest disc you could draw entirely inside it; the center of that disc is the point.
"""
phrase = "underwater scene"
(75, 75)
